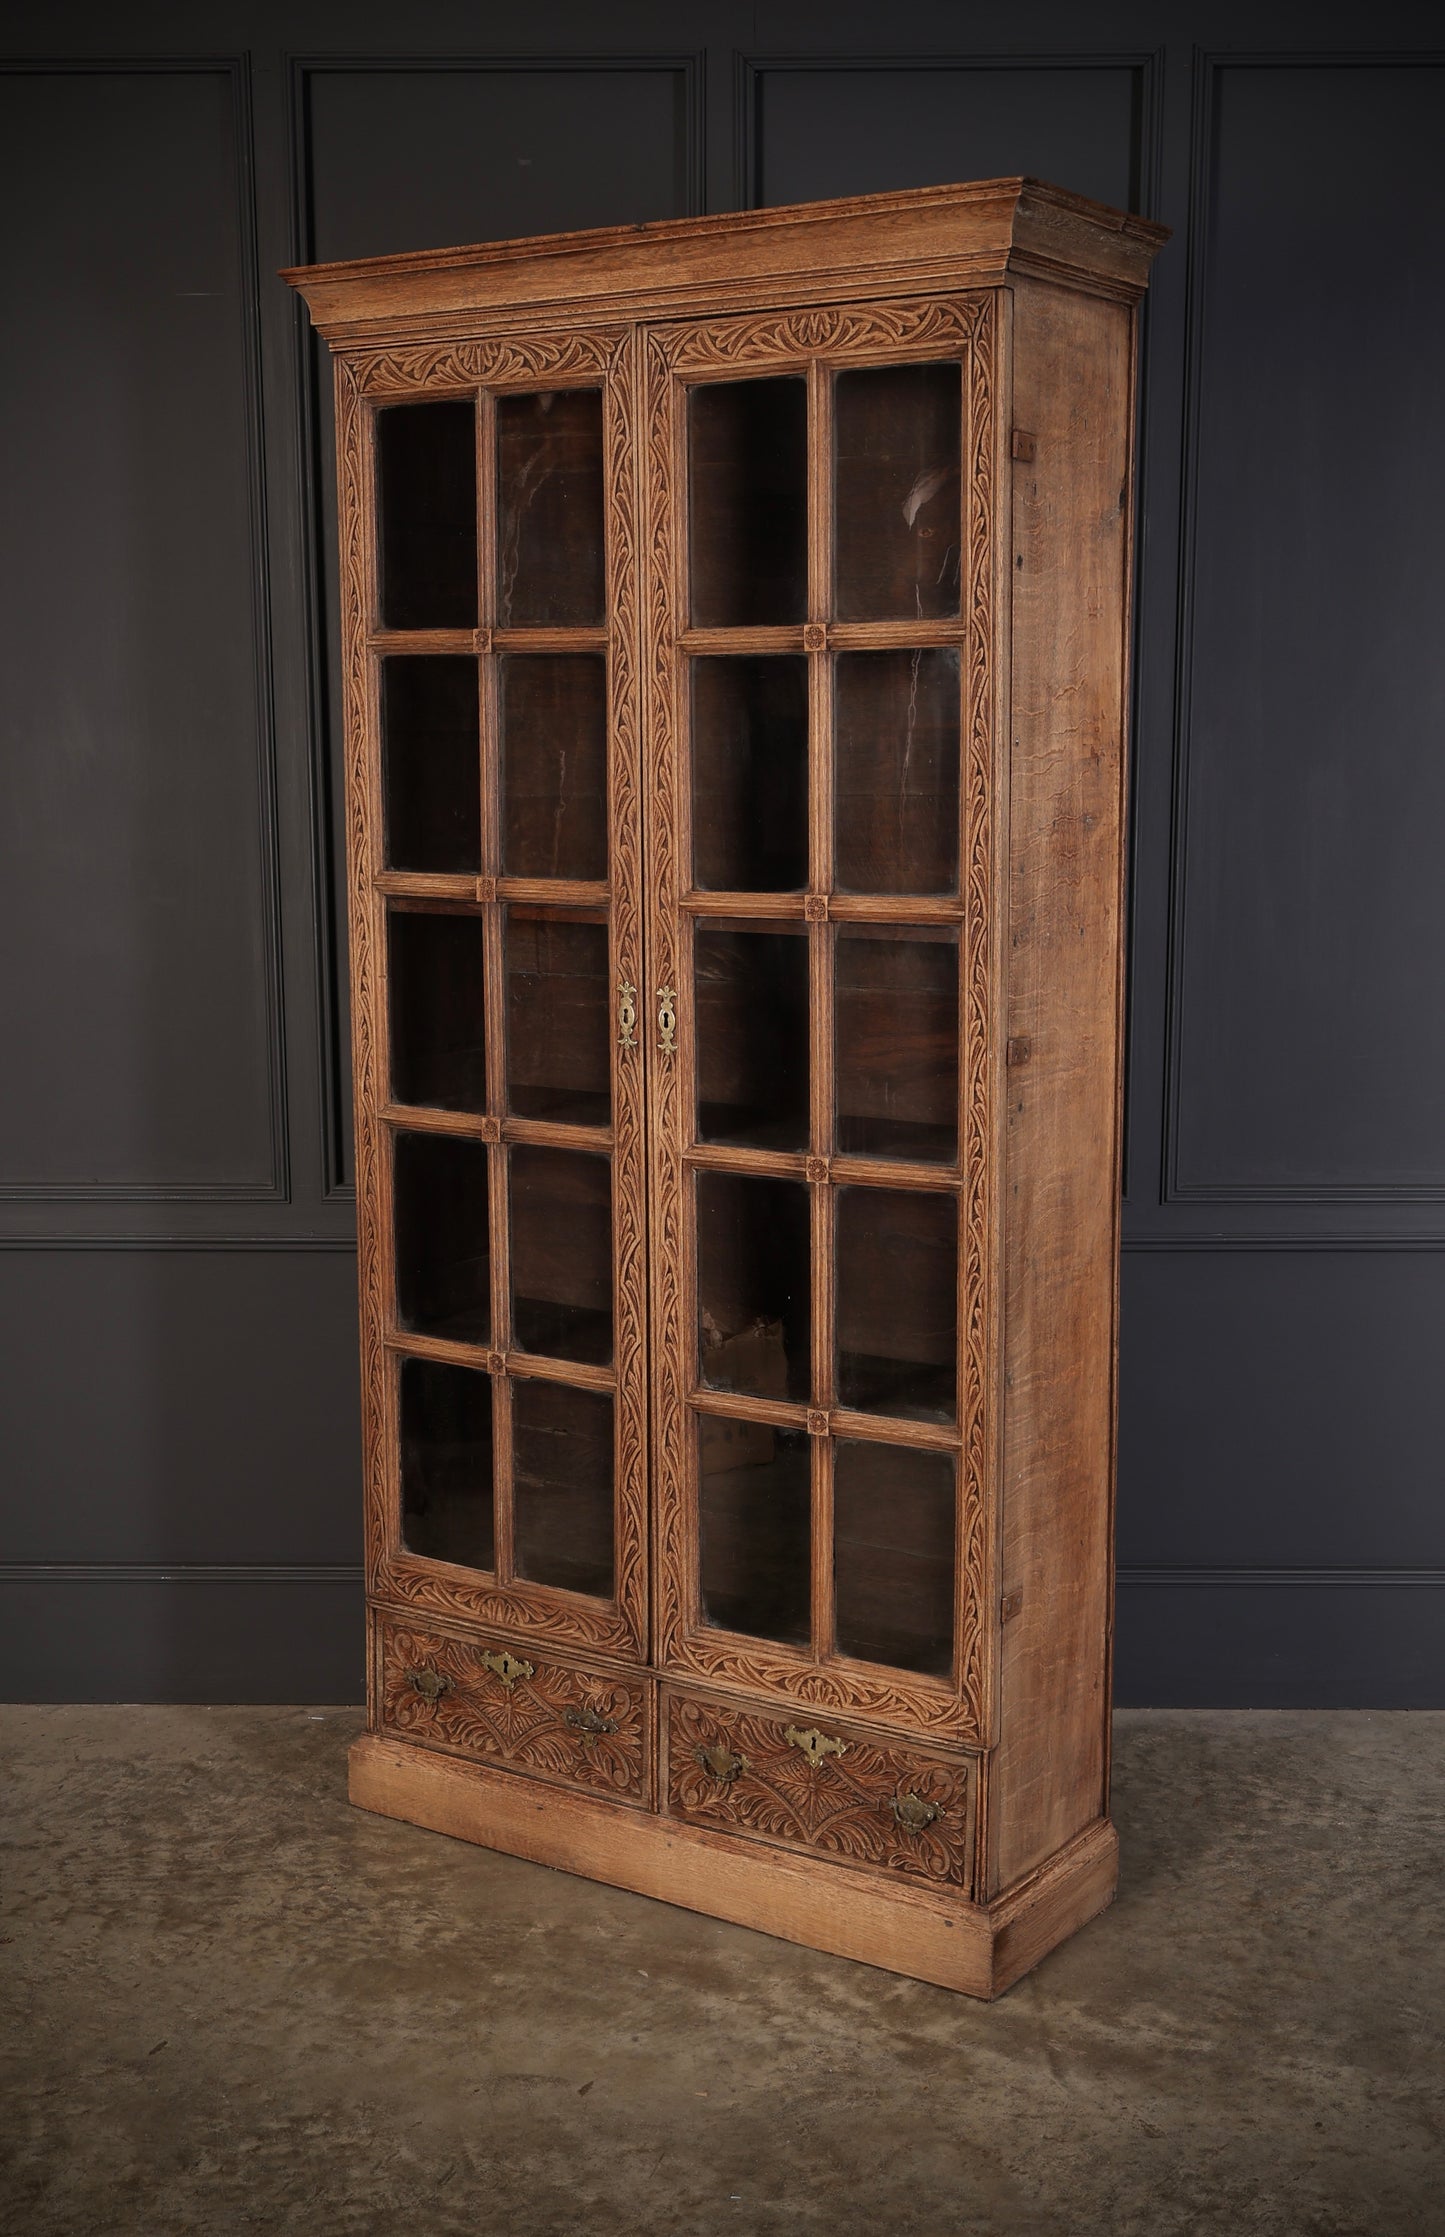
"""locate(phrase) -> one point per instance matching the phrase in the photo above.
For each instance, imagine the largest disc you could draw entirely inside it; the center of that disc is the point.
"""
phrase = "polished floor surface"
(229, 2002)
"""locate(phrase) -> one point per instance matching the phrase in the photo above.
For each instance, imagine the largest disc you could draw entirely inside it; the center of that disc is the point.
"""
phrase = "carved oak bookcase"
(735, 631)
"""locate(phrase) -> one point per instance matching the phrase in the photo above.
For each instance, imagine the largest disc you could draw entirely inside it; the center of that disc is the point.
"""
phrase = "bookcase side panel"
(1069, 570)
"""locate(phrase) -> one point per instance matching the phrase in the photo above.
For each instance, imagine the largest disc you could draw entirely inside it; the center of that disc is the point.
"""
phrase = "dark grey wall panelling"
(1308, 1051)
(810, 128)
(181, 1460)
(138, 876)
(178, 1439)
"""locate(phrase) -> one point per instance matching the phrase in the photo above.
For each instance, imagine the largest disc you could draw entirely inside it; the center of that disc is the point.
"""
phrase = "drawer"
(502, 1702)
(814, 1787)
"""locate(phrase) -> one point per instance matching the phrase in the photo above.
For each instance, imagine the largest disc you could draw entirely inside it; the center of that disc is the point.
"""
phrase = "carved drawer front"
(814, 1787)
(507, 1704)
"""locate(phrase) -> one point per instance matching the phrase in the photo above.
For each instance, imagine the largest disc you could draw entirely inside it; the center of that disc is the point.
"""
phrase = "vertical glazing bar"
(489, 692)
(820, 975)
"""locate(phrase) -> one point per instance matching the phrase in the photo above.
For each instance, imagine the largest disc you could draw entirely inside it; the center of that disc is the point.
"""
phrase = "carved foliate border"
(494, 361)
(860, 333)
(981, 831)
(671, 1540)
(966, 325)
(629, 1157)
(361, 791)
(402, 1580)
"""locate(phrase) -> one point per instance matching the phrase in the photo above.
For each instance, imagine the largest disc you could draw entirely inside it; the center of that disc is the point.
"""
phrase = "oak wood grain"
(1073, 391)
(970, 235)
(1029, 292)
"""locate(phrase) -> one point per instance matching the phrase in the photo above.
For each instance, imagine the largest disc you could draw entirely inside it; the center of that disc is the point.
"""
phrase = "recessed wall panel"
(133, 825)
(1310, 949)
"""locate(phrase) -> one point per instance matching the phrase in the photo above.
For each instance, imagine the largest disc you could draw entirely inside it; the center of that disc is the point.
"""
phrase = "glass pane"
(558, 1018)
(562, 1486)
(896, 763)
(437, 974)
(893, 1555)
(752, 1034)
(755, 1501)
(554, 765)
(431, 764)
(896, 1018)
(898, 1302)
(426, 470)
(562, 1254)
(748, 495)
(446, 1463)
(753, 1285)
(549, 509)
(897, 443)
(750, 774)
(441, 1237)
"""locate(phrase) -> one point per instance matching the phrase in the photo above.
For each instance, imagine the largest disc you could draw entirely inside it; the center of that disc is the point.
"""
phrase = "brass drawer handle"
(508, 1667)
(588, 1722)
(430, 1684)
(626, 1015)
(815, 1745)
(722, 1763)
(913, 1813)
(667, 1020)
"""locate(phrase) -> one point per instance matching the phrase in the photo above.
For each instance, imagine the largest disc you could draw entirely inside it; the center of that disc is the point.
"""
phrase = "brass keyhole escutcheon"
(722, 1763)
(913, 1813)
(815, 1745)
(508, 1667)
(587, 1722)
(626, 1015)
(667, 1020)
(430, 1684)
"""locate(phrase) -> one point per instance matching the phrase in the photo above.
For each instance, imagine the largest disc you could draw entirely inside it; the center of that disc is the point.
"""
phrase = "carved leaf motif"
(626, 812)
(355, 579)
(980, 1153)
(422, 1590)
(842, 1805)
(469, 364)
(573, 1725)
(855, 331)
(661, 566)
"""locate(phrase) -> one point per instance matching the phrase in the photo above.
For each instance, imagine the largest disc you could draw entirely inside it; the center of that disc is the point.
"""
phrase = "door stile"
(984, 851)
(355, 445)
(664, 473)
(629, 1063)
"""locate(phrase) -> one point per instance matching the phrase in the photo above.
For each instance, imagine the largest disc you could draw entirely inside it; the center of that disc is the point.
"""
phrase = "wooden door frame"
(812, 341)
(366, 379)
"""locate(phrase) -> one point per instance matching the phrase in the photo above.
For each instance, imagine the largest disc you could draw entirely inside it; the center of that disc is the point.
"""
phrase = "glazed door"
(490, 611)
(820, 532)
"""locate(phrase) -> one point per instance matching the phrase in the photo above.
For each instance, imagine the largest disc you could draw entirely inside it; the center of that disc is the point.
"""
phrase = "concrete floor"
(232, 2003)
